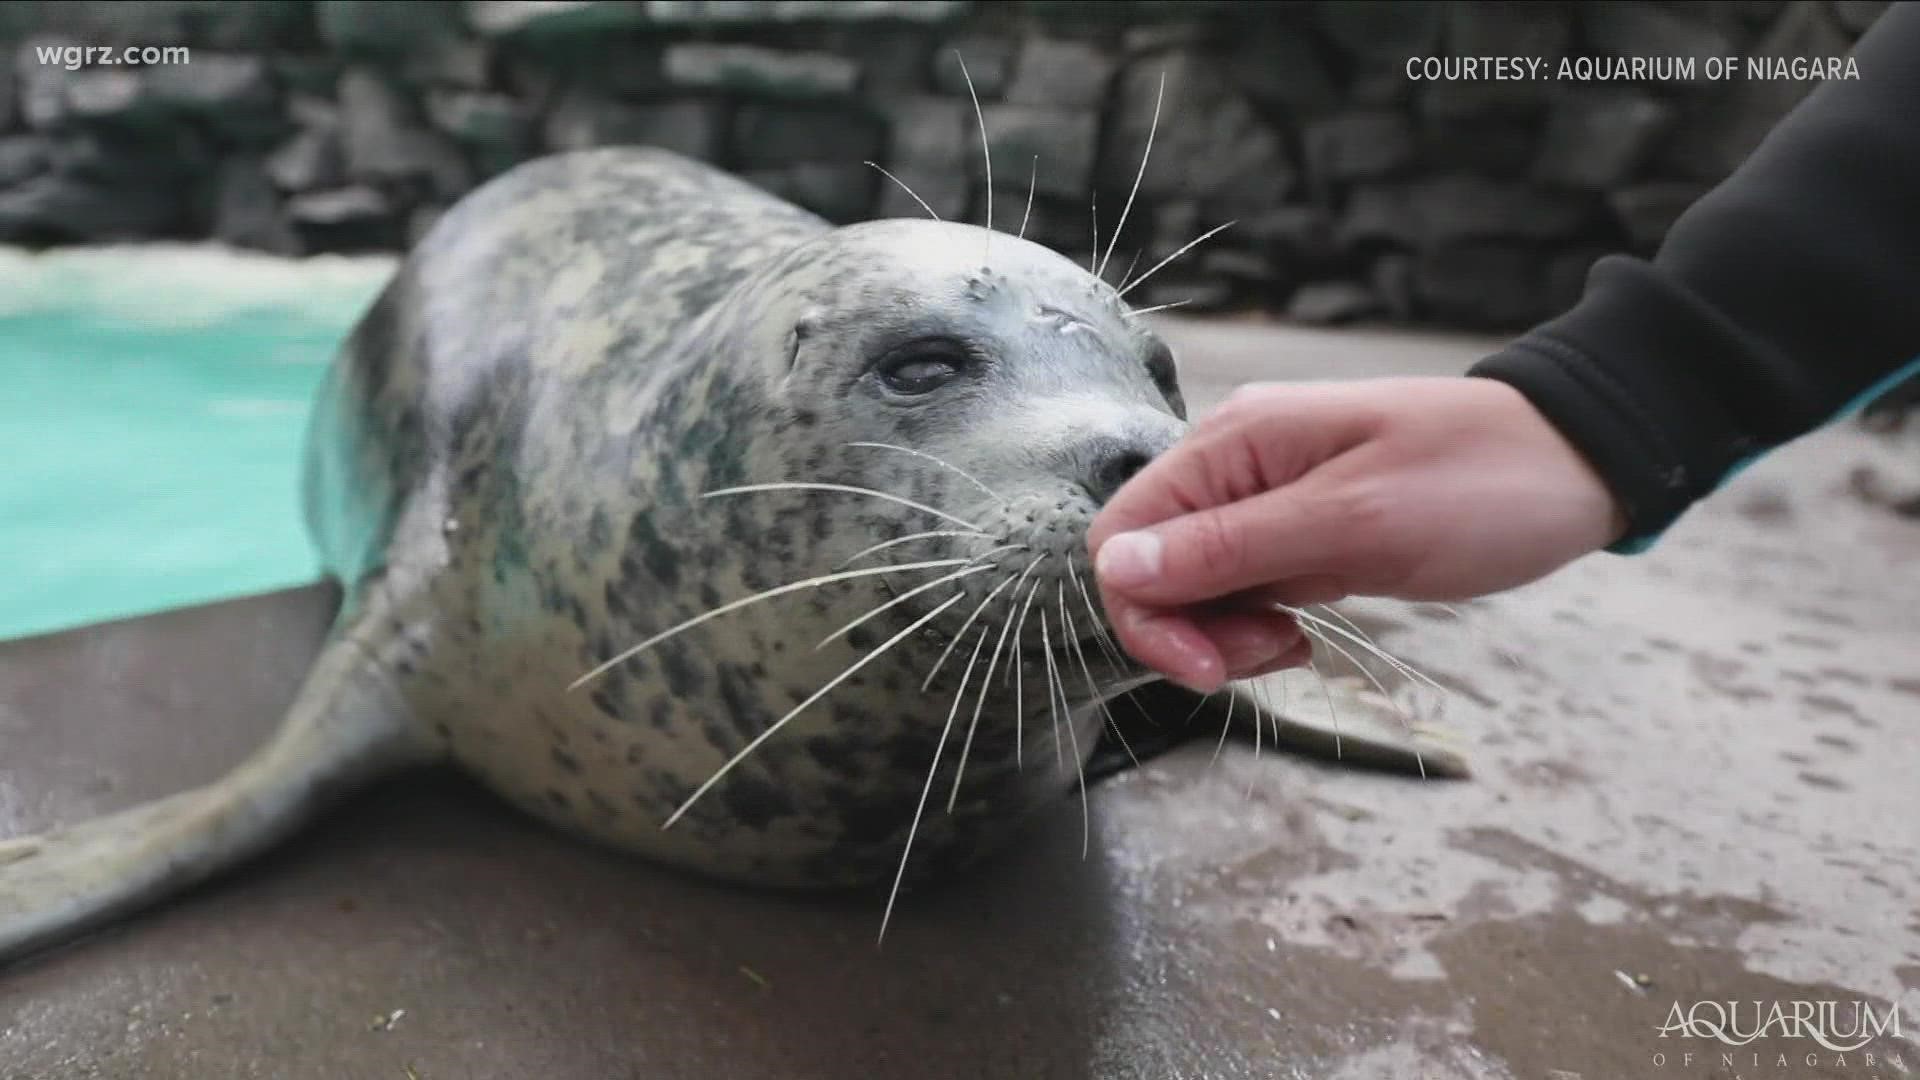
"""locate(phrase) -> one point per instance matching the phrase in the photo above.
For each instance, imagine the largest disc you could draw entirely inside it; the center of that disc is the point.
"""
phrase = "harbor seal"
(656, 501)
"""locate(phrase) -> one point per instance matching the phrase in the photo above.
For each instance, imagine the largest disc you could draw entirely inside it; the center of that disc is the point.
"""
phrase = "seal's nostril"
(1112, 469)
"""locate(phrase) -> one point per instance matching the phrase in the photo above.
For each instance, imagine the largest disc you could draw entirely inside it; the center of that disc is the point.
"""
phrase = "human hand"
(1412, 488)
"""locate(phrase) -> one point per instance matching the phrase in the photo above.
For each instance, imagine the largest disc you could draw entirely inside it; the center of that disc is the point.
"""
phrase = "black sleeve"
(1777, 301)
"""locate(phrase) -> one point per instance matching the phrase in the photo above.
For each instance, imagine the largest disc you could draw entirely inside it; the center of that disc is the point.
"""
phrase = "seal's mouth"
(1096, 647)
(1091, 631)
(1101, 659)
(1098, 654)
(1017, 583)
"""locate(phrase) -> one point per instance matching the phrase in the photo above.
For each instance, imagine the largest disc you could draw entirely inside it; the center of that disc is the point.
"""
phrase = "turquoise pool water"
(152, 412)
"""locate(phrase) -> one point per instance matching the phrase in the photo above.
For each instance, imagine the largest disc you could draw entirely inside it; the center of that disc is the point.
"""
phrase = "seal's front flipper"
(1343, 719)
(347, 725)
(1338, 721)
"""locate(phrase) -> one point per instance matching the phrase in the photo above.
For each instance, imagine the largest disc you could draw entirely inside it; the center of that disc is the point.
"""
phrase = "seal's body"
(574, 422)
(520, 435)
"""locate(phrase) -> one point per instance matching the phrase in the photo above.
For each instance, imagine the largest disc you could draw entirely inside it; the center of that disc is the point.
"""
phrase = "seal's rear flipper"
(346, 726)
(1341, 723)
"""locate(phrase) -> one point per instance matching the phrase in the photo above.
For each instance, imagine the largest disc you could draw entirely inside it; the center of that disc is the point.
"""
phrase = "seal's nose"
(1113, 466)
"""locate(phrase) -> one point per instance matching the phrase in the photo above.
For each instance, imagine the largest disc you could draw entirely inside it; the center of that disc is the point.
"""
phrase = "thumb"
(1304, 530)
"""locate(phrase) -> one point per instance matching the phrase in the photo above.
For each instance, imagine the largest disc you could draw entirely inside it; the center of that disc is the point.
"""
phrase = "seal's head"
(982, 376)
(921, 421)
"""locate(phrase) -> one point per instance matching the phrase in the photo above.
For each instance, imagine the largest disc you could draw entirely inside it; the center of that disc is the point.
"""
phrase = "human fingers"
(1314, 534)
(1260, 438)
(1203, 648)
(1169, 641)
(1250, 641)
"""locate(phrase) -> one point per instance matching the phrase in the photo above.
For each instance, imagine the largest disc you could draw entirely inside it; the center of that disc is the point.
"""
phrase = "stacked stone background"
(1357, 193)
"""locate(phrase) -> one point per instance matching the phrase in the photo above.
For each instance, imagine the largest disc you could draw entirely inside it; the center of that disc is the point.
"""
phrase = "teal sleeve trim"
(1637, 545)
(1634, 546)
(1879, 389)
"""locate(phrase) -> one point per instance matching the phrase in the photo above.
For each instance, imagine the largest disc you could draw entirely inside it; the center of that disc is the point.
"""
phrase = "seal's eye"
(1160, 368)
(921, 367)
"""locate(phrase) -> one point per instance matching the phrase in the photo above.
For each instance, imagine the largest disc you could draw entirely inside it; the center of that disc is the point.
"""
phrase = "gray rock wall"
(1356, 192)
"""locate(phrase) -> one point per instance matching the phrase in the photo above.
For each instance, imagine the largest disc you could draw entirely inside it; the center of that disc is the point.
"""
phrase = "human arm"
(1784, 297)
(1787, 294)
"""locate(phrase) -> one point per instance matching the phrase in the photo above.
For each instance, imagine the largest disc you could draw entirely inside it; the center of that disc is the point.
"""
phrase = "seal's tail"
(347, 725)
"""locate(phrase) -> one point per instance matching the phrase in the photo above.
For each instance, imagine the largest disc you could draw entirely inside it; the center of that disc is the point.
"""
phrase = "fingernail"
(1129, 560)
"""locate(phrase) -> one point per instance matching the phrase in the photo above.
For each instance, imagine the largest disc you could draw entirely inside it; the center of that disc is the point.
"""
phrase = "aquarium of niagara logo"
(1838, 1027)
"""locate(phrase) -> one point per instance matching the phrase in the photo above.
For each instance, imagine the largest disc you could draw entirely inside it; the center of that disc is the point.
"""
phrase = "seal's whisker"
(1361, 637)
(1111, 650)
(849, 489)
(1100, 643)
(735, 605)
(1093, 257)
(908, 190)
(962, 632)
(1053, 712)
(1093, 614)
(1339, 751)
(1137, 312)
(1259, 697)
(1018, 631)
(938, 751)
(974, 567)
(1132, 264)
(1225, 726)
(910, 538)
(1406, 722)
(1366, 643)
(986, 686)
(1109, 647)
(1137, 177)
(1273, 714)
(761, 738)
(1254, 702)
(937, 460)
(1019, 678)
(1054, 684)
(1033, 178)
(1015, 582)
(1073, 639)
(901, 599)
(1197, 706)
(986, 150)
(1340, 617)
(1184, 248)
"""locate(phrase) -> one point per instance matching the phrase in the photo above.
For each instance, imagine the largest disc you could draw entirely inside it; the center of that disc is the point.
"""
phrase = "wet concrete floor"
(1697, 778)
